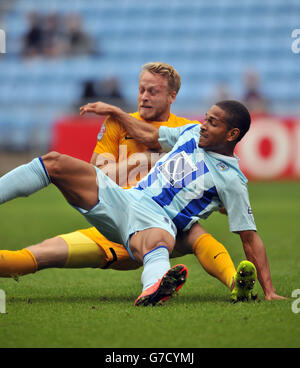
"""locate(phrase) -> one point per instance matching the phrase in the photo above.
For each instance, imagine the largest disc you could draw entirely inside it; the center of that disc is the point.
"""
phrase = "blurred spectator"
(222, 92)
(33, 39)
(89, 93)
(78, 41)
(53, 35)
(253, 97)
(110, 88)
(107, 90)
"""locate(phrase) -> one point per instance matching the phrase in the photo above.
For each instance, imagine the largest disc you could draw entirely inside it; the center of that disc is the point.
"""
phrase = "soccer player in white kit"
(198, 175)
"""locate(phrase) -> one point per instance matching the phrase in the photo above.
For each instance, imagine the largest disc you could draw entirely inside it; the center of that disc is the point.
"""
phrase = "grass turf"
(94, 308)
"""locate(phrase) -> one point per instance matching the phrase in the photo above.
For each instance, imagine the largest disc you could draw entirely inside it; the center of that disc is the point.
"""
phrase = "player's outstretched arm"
(256, 253)
(139, 130)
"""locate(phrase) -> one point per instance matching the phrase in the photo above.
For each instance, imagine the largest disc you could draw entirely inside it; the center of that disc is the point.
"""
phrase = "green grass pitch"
(94, 308)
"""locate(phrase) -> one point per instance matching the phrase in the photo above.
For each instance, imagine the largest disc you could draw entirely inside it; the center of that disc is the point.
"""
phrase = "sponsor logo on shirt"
(222, 166)
(101, 132)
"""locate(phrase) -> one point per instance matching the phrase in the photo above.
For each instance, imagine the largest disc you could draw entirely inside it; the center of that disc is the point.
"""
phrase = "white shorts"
(122, 212)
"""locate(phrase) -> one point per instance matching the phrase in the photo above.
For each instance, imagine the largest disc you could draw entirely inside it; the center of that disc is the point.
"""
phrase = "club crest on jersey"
(177, 168)
(222, 166)
(101, 132)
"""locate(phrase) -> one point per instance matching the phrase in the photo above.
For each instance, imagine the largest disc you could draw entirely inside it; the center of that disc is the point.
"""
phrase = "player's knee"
(54, 163)
(150, 239)
(167, 245)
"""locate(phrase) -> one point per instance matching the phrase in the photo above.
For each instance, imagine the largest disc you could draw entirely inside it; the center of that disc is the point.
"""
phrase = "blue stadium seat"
(208, 42)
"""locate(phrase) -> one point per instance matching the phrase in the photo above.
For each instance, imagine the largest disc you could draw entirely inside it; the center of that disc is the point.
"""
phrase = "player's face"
(154, 98)
(215, 133)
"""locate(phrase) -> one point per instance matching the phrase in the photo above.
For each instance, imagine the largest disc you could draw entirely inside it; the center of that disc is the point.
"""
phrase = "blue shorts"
(120, 212)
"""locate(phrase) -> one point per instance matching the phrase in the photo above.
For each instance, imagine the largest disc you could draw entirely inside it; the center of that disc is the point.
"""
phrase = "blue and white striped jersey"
(190, 183)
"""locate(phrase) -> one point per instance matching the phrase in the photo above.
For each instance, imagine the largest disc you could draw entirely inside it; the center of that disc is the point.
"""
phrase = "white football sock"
(24, 180)
(156, 264)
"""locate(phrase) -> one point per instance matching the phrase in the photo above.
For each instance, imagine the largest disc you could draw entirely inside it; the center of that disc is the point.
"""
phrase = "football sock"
(17, 263)
(24, 180)
(156, 264)
(214, 258)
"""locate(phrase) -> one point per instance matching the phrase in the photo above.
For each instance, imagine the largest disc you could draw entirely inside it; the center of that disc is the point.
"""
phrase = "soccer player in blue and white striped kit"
(199, 174)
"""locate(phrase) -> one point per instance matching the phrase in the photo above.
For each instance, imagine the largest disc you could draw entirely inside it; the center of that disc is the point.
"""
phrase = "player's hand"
(274, 296)
(99, 108)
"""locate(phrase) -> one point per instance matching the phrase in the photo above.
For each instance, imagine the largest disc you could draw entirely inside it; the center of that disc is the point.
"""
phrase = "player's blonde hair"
(166, 70)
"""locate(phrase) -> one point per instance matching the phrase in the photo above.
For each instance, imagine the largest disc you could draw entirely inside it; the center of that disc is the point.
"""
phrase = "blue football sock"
(24, 180)
(156, 264)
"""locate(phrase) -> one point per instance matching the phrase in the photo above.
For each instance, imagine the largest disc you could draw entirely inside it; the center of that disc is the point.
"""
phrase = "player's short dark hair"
(167, 71)
(237, 116)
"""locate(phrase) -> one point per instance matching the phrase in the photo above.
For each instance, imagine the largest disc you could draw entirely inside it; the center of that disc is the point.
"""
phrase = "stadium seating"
(209, 42)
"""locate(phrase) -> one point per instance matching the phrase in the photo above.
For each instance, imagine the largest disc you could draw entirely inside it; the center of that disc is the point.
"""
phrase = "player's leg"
(152, 247)
(76, 179)
(47, 254)
(72, 250)
(211, 254)
(116, 255)
(86, 248)
(216, 261)
(17, 263)
(66, 251)
(50, 253)
(23, 180)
